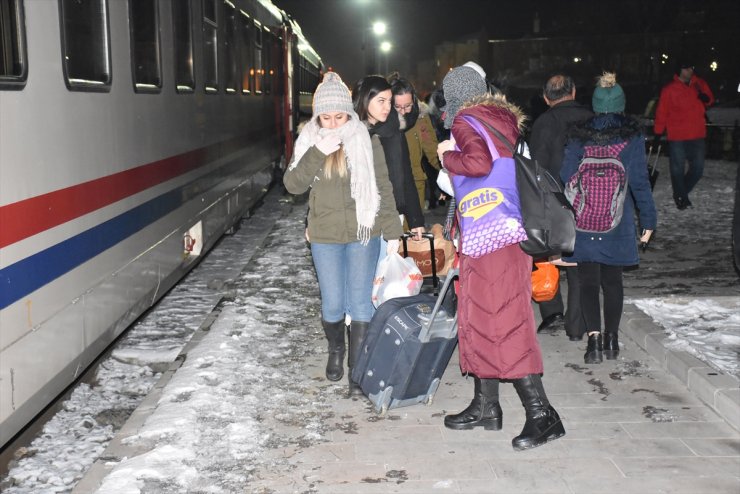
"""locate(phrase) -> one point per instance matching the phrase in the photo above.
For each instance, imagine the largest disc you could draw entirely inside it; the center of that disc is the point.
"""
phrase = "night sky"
(336, 27)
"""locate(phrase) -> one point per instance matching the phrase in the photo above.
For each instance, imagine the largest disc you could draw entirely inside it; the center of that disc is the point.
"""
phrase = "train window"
(267, 62)
(86, 45)
(231, 78)
(259, 70)
(246, 51)
(182, 16)
(210, 46)
(13, 65)
(145, 61)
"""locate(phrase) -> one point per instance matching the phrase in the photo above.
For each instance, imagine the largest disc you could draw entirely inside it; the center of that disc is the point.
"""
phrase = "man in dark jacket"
(547, 144)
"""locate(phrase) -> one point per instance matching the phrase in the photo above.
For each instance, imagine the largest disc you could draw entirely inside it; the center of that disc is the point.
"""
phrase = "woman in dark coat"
(497, 336)
(601, 257)
(373, 101)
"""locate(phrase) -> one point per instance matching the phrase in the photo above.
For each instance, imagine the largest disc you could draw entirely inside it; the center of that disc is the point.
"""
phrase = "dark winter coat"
(549, 133)
(496, 331)
(619, 246)
(399, 168)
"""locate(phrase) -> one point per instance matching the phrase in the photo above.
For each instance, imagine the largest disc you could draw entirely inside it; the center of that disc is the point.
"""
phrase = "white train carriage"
(133, 134)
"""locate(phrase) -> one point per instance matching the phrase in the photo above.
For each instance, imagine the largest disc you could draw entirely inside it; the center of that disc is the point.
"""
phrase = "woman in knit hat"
(373, 102)
(602, 256)
(496, 328)
(350, 206)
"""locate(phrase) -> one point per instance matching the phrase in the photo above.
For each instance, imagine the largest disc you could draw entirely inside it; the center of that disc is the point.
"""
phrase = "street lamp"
(379, 28)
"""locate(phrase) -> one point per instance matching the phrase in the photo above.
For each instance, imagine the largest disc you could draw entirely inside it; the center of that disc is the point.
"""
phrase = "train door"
(288, 90)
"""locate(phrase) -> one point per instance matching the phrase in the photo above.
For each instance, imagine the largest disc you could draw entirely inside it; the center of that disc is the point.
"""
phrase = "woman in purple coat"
(497, 336)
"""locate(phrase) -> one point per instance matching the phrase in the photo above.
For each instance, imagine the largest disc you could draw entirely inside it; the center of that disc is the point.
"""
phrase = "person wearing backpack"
(547, 145)
(605, 175)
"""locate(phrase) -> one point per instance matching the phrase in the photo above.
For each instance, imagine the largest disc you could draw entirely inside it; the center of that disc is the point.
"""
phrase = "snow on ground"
(237, 386)
(709, 329)
(78, 434)
(242, 377)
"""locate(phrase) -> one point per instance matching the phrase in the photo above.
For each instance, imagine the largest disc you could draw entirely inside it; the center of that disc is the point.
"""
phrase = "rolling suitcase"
(407, 348)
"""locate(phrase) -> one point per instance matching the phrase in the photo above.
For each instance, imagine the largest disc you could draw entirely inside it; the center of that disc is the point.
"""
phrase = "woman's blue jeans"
(346, 273)
(680, 152)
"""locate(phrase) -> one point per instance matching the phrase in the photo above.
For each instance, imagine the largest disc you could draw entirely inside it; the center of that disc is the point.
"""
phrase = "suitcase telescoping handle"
(426, 327)
(429, 236)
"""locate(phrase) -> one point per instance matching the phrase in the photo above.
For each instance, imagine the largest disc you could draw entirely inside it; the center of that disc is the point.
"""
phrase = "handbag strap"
(473, 122)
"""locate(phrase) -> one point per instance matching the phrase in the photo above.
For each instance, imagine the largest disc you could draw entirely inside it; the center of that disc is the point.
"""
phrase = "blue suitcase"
(407, 348)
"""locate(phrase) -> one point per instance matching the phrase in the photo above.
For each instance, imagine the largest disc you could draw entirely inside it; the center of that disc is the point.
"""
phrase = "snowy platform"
(246, 408)
(717, 389)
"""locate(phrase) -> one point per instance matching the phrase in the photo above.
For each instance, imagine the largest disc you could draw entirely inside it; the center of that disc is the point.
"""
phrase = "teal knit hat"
(608, 96)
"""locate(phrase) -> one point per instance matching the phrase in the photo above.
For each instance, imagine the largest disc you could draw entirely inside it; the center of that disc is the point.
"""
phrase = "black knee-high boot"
(334, 332)
(543, 422)
(484, 411)
(357, 330)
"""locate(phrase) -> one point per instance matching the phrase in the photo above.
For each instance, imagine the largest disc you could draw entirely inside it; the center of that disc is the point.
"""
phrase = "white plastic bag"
(444, 182)
(395, 277)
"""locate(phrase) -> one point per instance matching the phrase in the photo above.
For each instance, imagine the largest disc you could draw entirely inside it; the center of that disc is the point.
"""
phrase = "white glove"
(329, 144)
(392, 246)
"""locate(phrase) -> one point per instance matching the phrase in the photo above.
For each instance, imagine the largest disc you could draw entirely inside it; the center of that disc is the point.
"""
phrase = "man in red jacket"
(681, 108)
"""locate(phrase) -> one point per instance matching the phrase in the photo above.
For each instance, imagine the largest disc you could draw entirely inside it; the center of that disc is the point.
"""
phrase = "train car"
(133, 134)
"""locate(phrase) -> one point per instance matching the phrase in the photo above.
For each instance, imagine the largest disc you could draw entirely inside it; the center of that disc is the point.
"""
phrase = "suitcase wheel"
(432, 389)
(384, 401)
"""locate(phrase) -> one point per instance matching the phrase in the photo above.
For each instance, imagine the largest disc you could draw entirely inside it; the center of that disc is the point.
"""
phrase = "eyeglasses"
(405, 107)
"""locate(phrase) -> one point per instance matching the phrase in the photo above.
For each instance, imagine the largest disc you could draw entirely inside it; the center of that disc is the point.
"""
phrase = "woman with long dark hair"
(373, 101)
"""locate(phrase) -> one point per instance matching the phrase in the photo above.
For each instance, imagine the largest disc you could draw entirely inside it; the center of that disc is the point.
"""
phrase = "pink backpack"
(598, 189)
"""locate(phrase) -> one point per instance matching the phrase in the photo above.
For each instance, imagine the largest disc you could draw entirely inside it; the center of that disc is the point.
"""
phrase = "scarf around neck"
(359, 154)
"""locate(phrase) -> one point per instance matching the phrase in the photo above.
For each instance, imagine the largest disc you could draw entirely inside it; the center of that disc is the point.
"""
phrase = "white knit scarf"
(359, 153)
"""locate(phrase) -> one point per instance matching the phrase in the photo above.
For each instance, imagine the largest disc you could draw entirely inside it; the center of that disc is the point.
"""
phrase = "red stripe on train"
(28, 217)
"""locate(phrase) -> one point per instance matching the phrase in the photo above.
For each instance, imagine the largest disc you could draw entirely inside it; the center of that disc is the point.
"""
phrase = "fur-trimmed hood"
(606, 128)
(498, 100)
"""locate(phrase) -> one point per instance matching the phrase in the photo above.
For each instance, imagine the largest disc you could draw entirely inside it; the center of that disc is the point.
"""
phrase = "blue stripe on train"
(33, 272)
